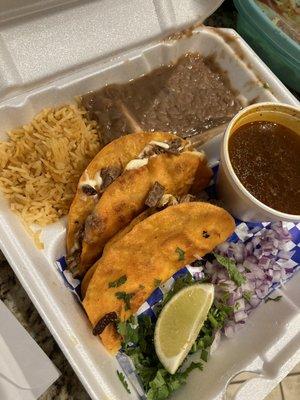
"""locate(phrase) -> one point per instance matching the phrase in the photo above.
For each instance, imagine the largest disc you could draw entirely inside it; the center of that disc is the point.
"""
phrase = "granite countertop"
(15, 298)
(68, 386)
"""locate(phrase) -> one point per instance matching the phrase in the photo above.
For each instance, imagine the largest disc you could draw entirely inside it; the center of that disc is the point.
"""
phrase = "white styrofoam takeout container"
(68, 48)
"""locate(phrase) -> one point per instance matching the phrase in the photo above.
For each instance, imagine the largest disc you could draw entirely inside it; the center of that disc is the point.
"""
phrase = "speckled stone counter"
(67, 387)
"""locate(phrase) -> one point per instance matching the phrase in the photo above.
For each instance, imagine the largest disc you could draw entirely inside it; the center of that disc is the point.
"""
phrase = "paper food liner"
(243, 232)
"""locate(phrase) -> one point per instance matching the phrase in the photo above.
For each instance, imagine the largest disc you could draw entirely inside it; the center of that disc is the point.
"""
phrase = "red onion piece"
(262, 259)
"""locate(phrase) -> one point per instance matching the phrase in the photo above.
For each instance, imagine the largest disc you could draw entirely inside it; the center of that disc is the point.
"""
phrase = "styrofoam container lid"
(42, 39)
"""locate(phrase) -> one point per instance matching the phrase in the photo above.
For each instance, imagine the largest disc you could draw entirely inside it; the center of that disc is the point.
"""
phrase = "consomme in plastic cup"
(238, 197)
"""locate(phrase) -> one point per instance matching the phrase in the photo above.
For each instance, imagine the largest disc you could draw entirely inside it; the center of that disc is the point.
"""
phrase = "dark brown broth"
(266, 158)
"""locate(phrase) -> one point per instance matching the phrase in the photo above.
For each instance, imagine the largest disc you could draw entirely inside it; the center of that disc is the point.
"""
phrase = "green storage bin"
(279, 51)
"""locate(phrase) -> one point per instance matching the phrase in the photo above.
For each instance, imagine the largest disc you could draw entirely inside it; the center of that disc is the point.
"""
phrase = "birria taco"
(168, 165)
(129, 194)
(106, 166)
(152, 250)
(165, 201)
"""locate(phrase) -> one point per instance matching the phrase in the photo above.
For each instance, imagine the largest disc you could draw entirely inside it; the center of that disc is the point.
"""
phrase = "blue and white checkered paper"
(243, 232)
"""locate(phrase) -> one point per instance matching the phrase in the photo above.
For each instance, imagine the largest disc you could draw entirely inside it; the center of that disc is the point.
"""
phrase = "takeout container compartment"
(66, 58)
(236, 198)
(280, 52)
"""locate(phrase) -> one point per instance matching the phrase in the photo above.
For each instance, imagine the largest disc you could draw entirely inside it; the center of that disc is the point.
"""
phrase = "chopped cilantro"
(138, 344)
(205, 339)
(164, 383)
(128, 330)
(198, 263)
(121, 376)
(233, 272)
(247, 296)
(180, 253)
(204, 355)
(194, 348)
(181, 283)
(156, 282)
(225, 297)
(191, 367)
(126, 297)
(273, 299)
(218, 315)
(118, 282)
(213, 321)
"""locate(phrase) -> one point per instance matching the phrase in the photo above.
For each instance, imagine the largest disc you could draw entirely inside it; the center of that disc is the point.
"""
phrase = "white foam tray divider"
(270, 341)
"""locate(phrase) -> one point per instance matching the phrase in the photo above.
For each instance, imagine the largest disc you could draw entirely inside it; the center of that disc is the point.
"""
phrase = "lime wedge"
(179, 324)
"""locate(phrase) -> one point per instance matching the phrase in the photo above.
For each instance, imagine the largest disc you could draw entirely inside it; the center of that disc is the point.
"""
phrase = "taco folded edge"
(153, 250)
(128, 195)
(106, 166)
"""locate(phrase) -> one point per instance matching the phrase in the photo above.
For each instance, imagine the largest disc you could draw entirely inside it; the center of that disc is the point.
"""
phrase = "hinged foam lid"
(42, 39)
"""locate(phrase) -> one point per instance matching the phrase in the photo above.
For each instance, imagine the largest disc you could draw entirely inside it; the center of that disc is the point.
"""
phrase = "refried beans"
(186, 98)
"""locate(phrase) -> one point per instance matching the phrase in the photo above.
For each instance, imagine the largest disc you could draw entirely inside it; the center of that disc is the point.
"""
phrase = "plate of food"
(132, 240)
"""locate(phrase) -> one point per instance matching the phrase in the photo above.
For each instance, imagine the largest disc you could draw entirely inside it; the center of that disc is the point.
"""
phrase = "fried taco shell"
(153, 249)
(86, 280)
(106, 166)
(166, 201)
(118, 236)
(127, 197)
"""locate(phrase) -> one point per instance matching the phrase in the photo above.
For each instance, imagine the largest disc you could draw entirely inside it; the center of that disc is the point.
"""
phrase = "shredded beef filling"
(155, 194)
(175, 147)
(89, 190)
(92, 222)
(72, 262)
(108, 176)
(103, 322)
(172, 147)
(171, 200)
(73, 258)
(151, 150)
(187, 198)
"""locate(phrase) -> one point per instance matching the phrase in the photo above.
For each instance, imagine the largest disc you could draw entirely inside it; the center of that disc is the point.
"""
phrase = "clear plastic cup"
(236, 198)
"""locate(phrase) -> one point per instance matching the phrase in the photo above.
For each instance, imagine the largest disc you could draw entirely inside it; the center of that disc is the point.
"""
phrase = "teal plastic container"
(275, 48)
